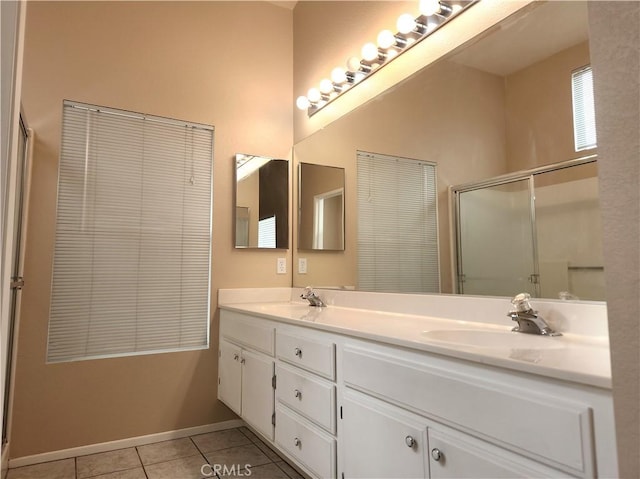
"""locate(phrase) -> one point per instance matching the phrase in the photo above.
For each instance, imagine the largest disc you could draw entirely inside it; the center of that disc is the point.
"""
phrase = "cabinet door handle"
(296, 442)
(410, 441)
(298, 393)
(242, 361)
(298, 352)
(436, 454)
(235, 357)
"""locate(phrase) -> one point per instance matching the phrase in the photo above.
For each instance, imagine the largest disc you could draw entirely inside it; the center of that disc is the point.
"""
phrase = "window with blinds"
(584, 113)
(397, 224)
(131, 272)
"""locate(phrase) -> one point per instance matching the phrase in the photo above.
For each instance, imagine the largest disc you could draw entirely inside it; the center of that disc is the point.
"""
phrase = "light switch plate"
(302, 265)
(281, 266)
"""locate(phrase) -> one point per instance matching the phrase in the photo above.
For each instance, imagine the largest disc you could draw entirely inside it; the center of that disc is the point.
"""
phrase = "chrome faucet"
(528, 319)
(313, 298)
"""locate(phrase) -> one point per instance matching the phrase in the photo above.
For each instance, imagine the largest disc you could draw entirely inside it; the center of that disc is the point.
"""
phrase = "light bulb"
(406, 23)
(429, 7)
(456, 8)
(326, 86)
(338, 75)
(369, 52)
(314, 95)
(353, 64)
(392, 54)
(302, 103)
(386, 39)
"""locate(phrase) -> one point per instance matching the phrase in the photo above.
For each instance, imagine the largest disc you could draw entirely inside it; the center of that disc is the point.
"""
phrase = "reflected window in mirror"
(321, 203)
(261, 202)
(397, 225)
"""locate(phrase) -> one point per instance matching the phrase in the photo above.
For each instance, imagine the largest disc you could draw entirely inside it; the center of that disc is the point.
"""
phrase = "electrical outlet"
(302, 265)
(281, 266)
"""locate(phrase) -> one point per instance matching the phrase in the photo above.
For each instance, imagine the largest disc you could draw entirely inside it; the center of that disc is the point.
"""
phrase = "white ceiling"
(542, 29)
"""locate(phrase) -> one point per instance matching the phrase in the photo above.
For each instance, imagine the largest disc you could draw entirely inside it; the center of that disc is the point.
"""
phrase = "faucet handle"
(521, 302)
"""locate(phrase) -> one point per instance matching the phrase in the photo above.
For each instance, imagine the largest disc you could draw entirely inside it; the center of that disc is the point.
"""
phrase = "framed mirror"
(321, 207)
(261, 202)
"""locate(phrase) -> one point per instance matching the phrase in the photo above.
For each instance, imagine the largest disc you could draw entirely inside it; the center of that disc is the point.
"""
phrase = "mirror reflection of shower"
(545, 221)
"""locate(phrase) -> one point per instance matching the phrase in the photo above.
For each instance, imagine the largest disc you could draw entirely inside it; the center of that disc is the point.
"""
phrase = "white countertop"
(572, 357)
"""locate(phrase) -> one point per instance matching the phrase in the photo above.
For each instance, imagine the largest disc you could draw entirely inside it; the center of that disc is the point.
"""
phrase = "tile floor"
(176, 459)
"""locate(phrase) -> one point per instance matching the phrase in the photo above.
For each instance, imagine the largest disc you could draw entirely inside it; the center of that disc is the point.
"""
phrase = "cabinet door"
(380, 440)
(229, 376)
(455, 455)
(257, 392)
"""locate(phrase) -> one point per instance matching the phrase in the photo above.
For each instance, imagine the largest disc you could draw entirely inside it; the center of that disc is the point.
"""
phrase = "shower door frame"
(455, 191)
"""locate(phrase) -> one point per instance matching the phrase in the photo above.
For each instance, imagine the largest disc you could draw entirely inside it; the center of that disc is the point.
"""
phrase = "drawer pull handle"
(298, 352)
(296, 442)
(409, 441)
(298, 394)
(436, 454)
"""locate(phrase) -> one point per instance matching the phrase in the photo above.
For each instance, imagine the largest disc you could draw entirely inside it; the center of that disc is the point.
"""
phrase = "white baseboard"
(122, 443)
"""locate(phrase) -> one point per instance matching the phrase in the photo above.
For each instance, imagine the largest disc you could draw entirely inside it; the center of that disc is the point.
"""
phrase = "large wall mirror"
(502, 103)
(261, 202)
(321, 207)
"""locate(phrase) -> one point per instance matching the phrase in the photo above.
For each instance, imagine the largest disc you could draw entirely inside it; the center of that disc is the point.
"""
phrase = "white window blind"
(397, 224)
(131, 269)
(584, 113)
(267, 232)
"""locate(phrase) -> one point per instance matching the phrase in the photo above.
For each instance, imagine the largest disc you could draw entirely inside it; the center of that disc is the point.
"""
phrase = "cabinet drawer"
(313, 355)
(533, 424)
(314, 449)
(308, 395)
(253, 333)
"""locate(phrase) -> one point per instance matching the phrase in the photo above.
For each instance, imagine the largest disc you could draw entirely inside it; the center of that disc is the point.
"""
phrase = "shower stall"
(536, 231)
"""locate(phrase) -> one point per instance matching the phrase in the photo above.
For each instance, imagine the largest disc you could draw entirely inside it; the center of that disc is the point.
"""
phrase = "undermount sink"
(493, 339)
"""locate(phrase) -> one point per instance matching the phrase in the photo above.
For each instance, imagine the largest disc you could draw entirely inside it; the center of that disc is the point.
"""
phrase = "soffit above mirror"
(543, 30)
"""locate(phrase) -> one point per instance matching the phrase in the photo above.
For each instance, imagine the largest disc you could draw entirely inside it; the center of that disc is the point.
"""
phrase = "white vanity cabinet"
(347, 406)
(246, 369)
(461, 419)
(306, 399)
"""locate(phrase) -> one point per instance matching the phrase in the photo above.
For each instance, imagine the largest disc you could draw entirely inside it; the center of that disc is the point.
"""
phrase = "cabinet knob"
(298, 352)
(235, 357)
(298, 393)
(410, 441)
(436, 454)
(296, 442)
(242, 361)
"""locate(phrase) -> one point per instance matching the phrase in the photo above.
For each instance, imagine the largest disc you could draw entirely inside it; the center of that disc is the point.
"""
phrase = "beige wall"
(192, 61)
(539, 115)
(614, 29)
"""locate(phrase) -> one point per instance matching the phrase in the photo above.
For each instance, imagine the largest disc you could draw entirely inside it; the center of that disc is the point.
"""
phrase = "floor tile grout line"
(144, 471)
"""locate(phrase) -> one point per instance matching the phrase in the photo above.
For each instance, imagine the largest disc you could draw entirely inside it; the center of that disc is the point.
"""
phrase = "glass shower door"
(496, 253)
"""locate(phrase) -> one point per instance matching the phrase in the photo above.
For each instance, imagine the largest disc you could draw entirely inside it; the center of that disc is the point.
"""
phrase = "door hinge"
(273, 381)
(273, 419)
(343, 475)
(534, 278)
(17, 282)
(218, 381)
(340, 412)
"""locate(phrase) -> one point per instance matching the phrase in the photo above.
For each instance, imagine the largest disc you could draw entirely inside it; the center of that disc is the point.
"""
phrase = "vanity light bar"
(411, 30)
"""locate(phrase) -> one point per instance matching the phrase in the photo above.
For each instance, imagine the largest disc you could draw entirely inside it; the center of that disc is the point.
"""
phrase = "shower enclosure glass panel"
(569, 233)
(496, 254)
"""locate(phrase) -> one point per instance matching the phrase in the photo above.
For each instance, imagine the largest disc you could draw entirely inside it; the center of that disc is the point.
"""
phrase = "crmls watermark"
(234, 470)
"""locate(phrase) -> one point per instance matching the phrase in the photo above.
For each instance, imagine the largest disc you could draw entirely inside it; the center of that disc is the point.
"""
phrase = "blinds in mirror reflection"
(133, 235)
(397, 225)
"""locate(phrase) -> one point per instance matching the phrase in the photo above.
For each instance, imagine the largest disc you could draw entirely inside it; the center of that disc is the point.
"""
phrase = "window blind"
(267, 232)
(584, 114)
(397, 224)
(131, 272)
